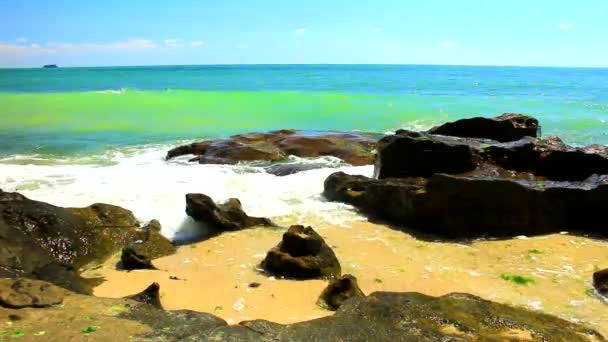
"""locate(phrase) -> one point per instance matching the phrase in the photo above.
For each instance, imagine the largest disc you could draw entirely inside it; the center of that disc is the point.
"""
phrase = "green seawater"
(88, 110)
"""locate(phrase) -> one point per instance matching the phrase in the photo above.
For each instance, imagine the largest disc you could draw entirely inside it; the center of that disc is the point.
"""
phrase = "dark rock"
(50, 243)
(473, 205)
(382, 316)
(226, 216)
(412, 154)
(139, 254)
(20, 293)
(353, 148)
(151, 295)
(338, 291)
(302, 254)
(600, 281)
(506, 127)
(254, 285)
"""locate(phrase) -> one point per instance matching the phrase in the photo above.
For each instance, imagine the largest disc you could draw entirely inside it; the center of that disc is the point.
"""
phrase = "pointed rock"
(338, 291)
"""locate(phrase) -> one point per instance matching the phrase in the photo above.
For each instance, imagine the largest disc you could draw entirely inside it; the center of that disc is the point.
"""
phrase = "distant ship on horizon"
(50, 66)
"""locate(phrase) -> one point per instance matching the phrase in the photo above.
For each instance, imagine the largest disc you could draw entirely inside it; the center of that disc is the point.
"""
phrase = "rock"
(448, 185)
(151, 295)
(20, 293)
(302, 254)
(467, 206)
(382, 316)
(276, 146)
(153, 225)
(412, 154)
(600, 282)
(338, 291)
(506, 127)
(228, 216)
(50, 243)
(139, 254)
(289, 169)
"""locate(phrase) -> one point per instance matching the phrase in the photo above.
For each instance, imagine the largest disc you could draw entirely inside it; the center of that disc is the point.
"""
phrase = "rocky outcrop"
(227, 216)
(415, 154)
(600, 282)
(353, 148)
(338, 291)
(469, 187)
(302, 254)
(42, 241)
(139, 254)
(473, 205)
(503, 128)
(21, 293)
(382, 316)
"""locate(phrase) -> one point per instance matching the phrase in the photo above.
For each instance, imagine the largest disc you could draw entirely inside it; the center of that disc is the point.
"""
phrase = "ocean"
(75, 136)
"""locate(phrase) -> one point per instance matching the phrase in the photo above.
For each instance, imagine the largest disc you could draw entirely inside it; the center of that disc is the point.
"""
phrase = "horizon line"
(309, 64)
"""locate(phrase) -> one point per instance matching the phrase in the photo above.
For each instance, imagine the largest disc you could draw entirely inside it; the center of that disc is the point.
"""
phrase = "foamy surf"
(138, 178)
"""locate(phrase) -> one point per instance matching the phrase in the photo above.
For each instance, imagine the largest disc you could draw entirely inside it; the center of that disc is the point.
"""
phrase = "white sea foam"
(140, 180)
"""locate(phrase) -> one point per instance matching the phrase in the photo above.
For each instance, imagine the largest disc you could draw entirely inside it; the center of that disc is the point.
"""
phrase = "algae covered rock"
(302, 254)
(43, 241)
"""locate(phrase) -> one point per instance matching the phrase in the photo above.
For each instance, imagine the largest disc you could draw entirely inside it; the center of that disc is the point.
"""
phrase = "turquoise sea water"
(87, 110)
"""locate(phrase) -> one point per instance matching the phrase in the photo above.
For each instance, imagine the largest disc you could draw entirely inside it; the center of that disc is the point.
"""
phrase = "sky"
(155, 32)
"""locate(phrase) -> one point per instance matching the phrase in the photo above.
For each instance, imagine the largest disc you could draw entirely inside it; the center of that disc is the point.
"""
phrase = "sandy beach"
(214, 275)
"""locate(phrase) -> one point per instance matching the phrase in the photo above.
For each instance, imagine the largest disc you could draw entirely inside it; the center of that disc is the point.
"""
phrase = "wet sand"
(213, 275)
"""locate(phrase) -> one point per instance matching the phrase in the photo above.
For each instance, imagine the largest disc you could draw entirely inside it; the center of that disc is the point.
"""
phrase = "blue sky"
(137, 32)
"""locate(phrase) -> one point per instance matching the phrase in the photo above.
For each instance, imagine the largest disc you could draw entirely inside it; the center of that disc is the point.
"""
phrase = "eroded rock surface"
(302, 254)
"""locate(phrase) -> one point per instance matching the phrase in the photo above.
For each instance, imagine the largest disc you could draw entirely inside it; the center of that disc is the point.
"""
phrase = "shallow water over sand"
(214, 274)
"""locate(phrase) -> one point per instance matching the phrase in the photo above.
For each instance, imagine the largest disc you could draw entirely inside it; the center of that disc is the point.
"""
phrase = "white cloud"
(174, 42)
(565, 26)
(448, 45)
(197, 43)
(301, 30)
(377, 29)
(21, 40)
(134, 44)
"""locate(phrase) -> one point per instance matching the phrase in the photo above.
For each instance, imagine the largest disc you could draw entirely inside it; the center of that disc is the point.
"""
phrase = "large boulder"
(338, 291)
(227, 216)
(21, 292)
(277, 146)
(50, 243)
(503, 128)
(302, 254)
